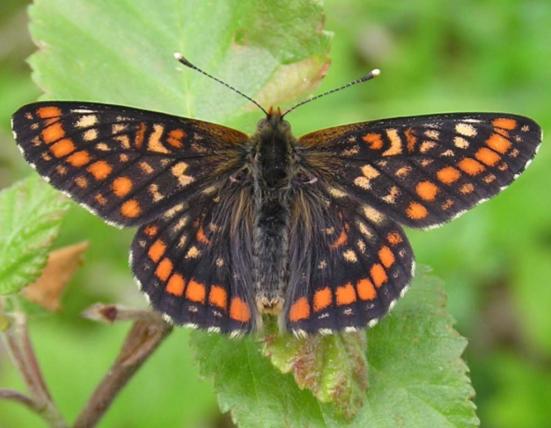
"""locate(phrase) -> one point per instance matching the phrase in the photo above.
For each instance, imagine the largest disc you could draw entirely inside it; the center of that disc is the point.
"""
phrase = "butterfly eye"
(261, 123)
(285, 126)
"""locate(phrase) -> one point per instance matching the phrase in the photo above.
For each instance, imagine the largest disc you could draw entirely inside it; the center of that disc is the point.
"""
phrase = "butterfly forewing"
(425, 170)
(126, 165)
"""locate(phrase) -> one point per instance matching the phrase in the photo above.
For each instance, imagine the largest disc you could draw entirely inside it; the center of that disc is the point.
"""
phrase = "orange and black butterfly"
(232, 226)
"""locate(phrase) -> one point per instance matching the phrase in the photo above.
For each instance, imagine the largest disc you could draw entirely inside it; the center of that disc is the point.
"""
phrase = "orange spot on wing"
(345, 294)
(164, 269)
(140, 135)
(374, 140)
(487, 156)
(426, 190)
(79, 159)
(416, 211)
(499, 143)
(151, 230)
(100, 170)
(340, 241)
(131, 208)
(322, 299)
(81, 182)
(378, 275)
(386, 256)
(448, 175)
(175, 138)
(196, 292)
(48, 112)
(239, 310)
(157, 250)
(100, 199)
(470, 166)
(218, 296)
(175, 284)
(201, 237)
(505, 123)
(411, 139)
(61, 170)
(62, 148)
(466, 188)
(394, 238)
(53, 133)
(122, 186)
(300, 310)
(366, 290)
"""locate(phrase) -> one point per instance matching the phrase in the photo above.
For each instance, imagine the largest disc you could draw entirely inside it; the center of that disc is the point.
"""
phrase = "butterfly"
(234, 227)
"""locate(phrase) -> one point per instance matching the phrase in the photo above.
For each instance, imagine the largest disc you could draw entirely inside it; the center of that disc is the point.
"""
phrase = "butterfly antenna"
(372, 74)
(185, 62)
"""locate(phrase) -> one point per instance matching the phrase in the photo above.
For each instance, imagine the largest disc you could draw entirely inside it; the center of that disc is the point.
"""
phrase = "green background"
(495, 261)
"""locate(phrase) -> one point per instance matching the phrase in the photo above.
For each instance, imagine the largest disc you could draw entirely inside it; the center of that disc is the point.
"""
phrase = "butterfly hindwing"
(194, 262)
(348, 262)
(425, 170)
(126, 165)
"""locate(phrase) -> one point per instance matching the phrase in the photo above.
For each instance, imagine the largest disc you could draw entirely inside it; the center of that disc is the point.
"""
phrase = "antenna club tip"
(181, 58)
(375, 72)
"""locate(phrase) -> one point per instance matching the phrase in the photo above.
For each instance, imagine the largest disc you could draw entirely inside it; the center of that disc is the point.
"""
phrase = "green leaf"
(122, 52)
(30, 216)
(416, 375)
(333, 367)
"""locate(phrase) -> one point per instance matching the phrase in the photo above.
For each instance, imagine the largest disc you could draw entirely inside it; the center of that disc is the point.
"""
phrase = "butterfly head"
(274, 124)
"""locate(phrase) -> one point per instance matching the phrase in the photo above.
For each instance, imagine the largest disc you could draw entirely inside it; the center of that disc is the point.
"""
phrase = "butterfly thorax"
(272, 172)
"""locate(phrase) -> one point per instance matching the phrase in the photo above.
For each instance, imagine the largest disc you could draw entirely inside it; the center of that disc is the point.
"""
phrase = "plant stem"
(19, 345)
(10, 394)
(143, 338)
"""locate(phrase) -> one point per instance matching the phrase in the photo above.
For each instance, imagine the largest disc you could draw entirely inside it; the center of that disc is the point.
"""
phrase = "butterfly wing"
(194, 262)
(124, 164)
(348, 263)
(423, 171)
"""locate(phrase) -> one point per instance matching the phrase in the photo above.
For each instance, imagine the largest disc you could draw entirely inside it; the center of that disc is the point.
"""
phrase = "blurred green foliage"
(496, 261)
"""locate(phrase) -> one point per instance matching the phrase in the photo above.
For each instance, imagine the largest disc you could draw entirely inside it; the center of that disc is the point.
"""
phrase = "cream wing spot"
(86, 121)
(372, 214)
(426, 146)
(365, 230)
(154, 141)
(337, 193)
(395, 143)
(118, 128)
(350, 256)
(90, 135)
(433, 134)
(465, 129)
(155, 193)
(461, 143)
(193, 253)
(362, 182)
(178, 171)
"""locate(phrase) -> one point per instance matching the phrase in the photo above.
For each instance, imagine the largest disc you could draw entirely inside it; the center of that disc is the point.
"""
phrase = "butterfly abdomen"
(272, 160)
